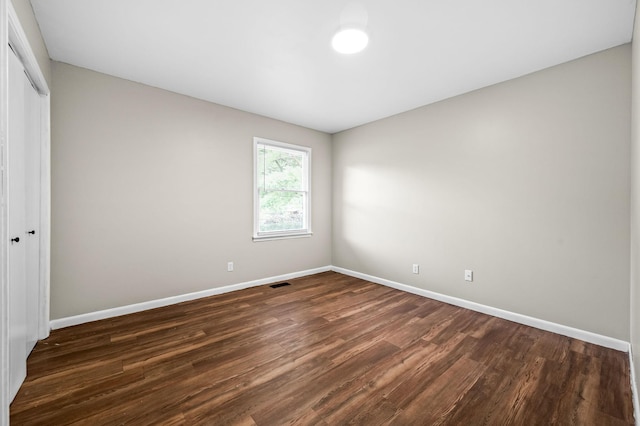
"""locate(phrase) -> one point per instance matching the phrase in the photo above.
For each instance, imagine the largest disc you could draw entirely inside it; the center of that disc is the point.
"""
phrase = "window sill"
(258, 238)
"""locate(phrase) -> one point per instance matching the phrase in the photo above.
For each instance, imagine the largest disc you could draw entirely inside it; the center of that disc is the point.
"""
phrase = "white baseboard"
(587, 336)
(158, 303)
(634, 387)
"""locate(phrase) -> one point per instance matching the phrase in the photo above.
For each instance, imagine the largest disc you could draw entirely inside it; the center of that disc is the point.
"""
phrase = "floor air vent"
(279, 285)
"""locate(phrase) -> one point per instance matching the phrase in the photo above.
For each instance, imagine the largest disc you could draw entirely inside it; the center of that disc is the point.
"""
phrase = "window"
(281, 190)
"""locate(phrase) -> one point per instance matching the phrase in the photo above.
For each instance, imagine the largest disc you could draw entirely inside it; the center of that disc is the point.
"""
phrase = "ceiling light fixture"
(350, 40)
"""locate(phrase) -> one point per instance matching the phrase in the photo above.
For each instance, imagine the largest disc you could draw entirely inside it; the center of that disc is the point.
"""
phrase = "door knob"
(32, 232)
(15, 240)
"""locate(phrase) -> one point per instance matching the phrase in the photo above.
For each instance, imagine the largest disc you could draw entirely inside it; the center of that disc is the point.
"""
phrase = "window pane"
(281, 198)
(280, 169)
(281, 211)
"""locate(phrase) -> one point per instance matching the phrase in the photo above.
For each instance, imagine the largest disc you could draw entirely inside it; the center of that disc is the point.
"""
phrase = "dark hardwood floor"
(328, 349)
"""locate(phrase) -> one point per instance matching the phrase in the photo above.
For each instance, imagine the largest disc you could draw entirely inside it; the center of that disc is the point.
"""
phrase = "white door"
(16, 227)
(32, 213)
(23, 185)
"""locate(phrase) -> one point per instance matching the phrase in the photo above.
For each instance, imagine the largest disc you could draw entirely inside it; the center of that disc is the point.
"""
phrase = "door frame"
(15, 35)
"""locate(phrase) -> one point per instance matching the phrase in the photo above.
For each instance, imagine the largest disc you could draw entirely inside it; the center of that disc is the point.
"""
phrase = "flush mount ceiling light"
(349, 40)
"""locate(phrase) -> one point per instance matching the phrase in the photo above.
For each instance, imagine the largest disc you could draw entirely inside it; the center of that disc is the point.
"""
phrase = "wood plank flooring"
(327, 350)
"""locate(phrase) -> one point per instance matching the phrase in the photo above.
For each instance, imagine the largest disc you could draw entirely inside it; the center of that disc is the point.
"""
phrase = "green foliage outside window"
(281, 189)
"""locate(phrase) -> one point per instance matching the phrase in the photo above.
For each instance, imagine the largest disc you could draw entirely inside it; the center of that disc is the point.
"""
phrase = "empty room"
(339, 212)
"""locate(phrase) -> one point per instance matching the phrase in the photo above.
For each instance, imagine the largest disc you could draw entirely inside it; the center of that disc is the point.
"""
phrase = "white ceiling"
(274, 58)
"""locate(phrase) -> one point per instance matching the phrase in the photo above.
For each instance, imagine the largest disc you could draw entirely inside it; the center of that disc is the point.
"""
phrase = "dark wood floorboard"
(327, 350)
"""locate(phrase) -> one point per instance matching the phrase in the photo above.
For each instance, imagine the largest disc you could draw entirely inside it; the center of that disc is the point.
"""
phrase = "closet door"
(16, 264)
(32, 211)
(23, 185)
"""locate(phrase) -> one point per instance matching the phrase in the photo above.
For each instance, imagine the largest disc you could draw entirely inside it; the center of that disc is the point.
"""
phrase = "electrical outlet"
(468, 275)
(229, 266)
(416, 268)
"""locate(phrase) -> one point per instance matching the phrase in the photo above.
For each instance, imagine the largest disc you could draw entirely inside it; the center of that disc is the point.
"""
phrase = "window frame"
(276, 235)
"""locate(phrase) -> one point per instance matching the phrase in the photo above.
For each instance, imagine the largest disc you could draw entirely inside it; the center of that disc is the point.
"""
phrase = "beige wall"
(525, 182)
(152, 194)
(32, 30)
(635, 199)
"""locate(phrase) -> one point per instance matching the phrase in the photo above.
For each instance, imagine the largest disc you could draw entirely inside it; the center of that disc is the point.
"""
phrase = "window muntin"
(281, 190)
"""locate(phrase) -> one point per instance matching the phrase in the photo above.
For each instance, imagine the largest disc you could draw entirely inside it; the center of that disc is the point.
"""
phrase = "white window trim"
(278, 235)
